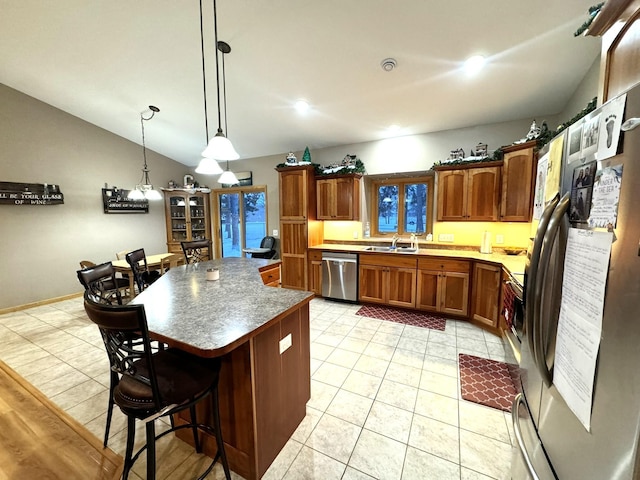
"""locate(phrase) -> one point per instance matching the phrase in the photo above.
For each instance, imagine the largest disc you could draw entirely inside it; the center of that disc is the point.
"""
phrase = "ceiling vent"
(388, 64)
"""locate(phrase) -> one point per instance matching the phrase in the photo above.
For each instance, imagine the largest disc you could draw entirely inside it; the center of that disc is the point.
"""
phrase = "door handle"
(545, 258)
(532, 272)
(515, 419)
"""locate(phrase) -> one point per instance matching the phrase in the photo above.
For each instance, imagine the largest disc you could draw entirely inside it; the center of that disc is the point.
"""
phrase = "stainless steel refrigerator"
(551, 442)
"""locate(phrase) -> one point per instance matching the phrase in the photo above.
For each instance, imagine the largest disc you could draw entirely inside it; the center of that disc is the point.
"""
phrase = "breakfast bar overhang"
(261, 333)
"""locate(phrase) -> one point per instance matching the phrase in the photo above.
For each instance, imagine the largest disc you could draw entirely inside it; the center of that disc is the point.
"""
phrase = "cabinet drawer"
(444, 264)
(389, 260)
(271, 275)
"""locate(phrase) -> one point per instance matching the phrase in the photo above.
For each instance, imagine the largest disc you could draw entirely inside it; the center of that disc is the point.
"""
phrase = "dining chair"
(197, 251)
(122, 283)
(168, 263)
(144, 277)
(154, 385)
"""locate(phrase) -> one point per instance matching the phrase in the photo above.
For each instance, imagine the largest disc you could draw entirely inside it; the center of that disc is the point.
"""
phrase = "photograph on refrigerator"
(581, 189)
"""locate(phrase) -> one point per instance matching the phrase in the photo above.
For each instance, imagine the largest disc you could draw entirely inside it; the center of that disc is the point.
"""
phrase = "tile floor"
(384, 402)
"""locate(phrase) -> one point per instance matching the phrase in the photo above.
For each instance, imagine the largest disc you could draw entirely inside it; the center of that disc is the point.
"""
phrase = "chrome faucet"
(394, 240)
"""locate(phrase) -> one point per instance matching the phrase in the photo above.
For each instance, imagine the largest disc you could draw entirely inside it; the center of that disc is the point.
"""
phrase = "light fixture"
(144, 189)
(207, 165)
(219, 147)
(474, 64)
(388, 64)
(302, 106)
(227, 177)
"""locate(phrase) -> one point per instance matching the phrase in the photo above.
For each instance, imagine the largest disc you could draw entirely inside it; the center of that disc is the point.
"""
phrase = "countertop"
(513, 263)
(211, 318)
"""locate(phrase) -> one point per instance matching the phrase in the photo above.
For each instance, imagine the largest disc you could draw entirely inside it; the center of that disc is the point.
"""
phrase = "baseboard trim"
(39, 303)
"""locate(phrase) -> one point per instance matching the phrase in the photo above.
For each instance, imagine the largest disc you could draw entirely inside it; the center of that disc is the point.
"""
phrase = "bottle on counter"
(367, 230)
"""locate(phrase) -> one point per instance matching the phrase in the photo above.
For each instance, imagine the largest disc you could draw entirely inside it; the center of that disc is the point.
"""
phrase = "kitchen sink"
(391, 249)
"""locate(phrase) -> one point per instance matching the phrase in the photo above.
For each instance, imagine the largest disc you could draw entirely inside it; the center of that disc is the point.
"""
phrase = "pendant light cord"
(145, 169)
(224, 96)
(204, 78)
(215, 35)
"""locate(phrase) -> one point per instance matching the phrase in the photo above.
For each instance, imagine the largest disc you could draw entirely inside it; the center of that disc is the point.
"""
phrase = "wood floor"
(38, 440)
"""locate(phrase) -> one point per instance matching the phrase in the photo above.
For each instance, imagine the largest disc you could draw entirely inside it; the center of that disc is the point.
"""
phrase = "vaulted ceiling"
(106, 61)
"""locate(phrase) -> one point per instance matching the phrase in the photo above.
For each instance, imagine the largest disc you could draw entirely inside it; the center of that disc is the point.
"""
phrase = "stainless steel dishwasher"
(340, 276)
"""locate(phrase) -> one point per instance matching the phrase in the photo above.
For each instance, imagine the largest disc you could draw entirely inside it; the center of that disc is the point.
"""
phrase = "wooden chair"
(154, 385)
(197, 251)
(122, 283)
(169, 262)
(144, 277)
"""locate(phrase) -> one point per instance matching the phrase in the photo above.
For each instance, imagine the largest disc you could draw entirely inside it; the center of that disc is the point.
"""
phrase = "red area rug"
(417, 319)
(487, 382)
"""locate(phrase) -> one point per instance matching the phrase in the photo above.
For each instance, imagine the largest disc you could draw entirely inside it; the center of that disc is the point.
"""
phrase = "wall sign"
(12, 193)
(115, 201)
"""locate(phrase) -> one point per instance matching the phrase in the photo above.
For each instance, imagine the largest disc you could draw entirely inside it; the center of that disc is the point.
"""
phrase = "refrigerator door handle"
(545, 257)
(515, 419)
(532, 272)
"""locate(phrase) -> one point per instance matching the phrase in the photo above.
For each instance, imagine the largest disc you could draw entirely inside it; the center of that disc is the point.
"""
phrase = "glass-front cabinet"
(187, 217)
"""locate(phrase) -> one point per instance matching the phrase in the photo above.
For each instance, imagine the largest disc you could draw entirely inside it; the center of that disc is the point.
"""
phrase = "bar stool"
(194, 251)
(153, 385)
(142, 275)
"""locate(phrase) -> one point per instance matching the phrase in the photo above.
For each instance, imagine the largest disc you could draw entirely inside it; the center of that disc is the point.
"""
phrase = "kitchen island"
(261, 334)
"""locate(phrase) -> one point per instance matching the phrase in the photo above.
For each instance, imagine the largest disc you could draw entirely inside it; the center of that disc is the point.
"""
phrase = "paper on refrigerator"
(580, 324)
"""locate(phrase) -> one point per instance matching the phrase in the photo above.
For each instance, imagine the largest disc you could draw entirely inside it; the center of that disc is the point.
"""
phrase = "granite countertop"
(513, 263)
(211, 318)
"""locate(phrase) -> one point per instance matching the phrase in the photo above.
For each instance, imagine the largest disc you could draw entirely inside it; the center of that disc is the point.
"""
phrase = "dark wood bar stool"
(141, 273)
(155, 384)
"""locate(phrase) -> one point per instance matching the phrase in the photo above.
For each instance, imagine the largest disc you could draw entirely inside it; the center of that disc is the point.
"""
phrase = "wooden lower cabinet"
(315, 271)
(443, 286)
(486, 294)
(388, 279)
(271, 275)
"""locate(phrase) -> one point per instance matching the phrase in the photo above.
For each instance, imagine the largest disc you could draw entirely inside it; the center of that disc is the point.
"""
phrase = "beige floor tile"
(412, 344)
(397, 394)
(90, 408)
(390, 421)
(434, 437)
(486, 421)
(485, 455)
(313, 465)
(59, 370)
(327, 431)
(352, 474)
(78, 394)
(438, 407)
(283, 461)
(363, 384)
(378, 456)
(331, 374)
(321, 395)
(350, 407)
(362, 333)
(419, 464)
(330, 339)
(320, 351)
(379, 351)
(443, 338)
(383, 338)
(403, 374)
(416, 333)
(371, 365)
(444, 351)
(441, 365)
(307, 425)
(353, 344)
(344, 358)
(437, 383)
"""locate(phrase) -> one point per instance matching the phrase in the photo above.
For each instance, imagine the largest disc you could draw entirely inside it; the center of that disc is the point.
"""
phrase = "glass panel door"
(178, 218)
(243, 220)
(198, 225)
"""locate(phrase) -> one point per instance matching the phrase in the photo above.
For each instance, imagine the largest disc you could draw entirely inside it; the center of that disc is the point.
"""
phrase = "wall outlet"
(355, 234)
(445, 237)
(275, 232)
(285, 343)
(500, 239)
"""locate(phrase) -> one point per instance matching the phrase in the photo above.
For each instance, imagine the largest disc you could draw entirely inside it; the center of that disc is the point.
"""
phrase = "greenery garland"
(593, 11)
(319, 169)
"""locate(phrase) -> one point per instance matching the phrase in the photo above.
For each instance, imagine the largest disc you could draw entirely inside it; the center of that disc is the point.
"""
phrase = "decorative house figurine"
(481, 150)
(291, 159)
(534, 131)
(456, 154)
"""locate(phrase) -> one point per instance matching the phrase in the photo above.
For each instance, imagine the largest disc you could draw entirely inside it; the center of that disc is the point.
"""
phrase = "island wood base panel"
(263, 396)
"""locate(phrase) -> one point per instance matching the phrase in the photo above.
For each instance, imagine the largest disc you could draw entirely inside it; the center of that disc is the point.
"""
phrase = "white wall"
(41, 246)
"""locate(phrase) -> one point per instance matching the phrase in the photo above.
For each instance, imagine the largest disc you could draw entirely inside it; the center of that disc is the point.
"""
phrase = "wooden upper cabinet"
(619, 25)
(469, 194)
(294, 190)
(339, 198)
(517, 183)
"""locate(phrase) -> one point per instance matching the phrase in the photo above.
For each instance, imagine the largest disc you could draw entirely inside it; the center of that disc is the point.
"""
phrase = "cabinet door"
(454, 293)
(315, 271)
(293, 195)
(325, 190)
(198, 219)
(428, 295)
(293, 252)
(517, 186)
(347, 198)
(483, 194)
(401, 287)
(452, 195)
(486, 294)
(371, 286)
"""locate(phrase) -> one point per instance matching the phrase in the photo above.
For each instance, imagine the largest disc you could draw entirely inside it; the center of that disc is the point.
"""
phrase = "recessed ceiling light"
(302, 106)
(474, 64)
(393, 128)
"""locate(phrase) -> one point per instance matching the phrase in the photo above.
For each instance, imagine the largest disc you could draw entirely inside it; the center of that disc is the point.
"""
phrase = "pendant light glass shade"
(152, 194)
(228, 178)
(208, 166)
(220, 148)
(135, 194)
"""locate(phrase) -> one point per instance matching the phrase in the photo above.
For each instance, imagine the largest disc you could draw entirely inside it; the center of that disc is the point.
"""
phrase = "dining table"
(261, 335)
(154, 262)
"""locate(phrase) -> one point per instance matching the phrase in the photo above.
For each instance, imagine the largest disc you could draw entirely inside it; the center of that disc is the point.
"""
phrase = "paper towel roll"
(485, 246)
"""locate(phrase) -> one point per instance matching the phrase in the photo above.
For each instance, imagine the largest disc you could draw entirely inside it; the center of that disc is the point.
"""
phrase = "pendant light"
(219, 147)
(145, 189)
(207, 165)
(227, 177)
